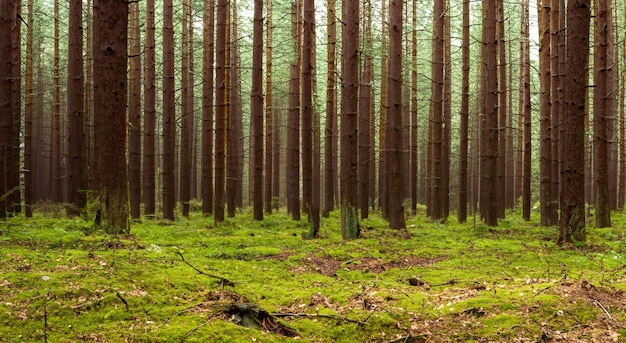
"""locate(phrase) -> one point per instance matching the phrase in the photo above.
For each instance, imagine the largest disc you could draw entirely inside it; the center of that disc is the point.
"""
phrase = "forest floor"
(61, 280)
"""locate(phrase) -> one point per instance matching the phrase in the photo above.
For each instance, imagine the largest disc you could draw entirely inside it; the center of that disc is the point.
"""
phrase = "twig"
(183, 311)
(122, 299)
(603, 309)
(403, 339)
(224, 281)
(315, 315)
(194, 330)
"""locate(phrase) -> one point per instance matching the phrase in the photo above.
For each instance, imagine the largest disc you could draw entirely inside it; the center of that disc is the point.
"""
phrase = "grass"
(61, 280)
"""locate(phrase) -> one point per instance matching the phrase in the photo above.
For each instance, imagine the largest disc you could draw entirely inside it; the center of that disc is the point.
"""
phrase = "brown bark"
(547, 208)
(330, 158)
(556, 101)
(187, 108)
(256, 107)
(503, 188)
(489, 123)
(293, 125)
(435, 208)
(149, 113)
(134, 113)
(524, 123)
(600, 116)
(208, 53)
(6, 20)
(29, 138)
(55, 138)
(464, 113)
(349, 119)
(220, 109)
(572, 197)
(110, 30)
(447, 115)
(14, 197)
(414, 109)
(394, 118)
(384, 80)
(269, 108)
(169, 114)
(364, 115)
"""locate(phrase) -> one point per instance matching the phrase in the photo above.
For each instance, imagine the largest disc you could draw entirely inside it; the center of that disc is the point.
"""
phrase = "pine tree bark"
(208, 59)
(29, 138)
(330, 158)
(503, 188)
(601, 116)
(525, 143)
(134, 113)
(149, 114)
(414, 108)
(489, 122)
(572, 198)
(365, 94)
(293, 125)
(169, 114)
(464, 113)
(435, 170)
(110, 30)
(269, 109)
(6, 20)
(394, 118)
(220, 109)
(187, 108)
(349, 119)
(55, 126)
(256, 107)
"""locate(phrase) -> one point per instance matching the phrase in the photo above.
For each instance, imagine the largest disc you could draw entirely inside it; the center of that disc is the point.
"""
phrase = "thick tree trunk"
(600, 116)
(572, 198)
(220, 109)
(187, 109)
(503, 188)
(110, 93)
(208, 58)
(489, 123)
(269, 109)
(394, 118)
(29, 138)
(435, 208)
(365, 94)
(349, 119)
(524, 123)
(55, 138)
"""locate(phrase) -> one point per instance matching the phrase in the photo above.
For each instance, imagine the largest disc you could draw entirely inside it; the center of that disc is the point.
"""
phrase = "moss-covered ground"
(61, 280)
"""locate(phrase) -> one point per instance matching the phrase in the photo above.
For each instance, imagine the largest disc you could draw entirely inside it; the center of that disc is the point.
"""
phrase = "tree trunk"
(208, 53)
(29, 138)
(349, 119)
(502, 114)
(447, 115)
(489, 123)
(256, 107)
(601, 116)
(187, 113)
(110, 30)
(384, 80)
(220, 109)
(169, 114)
(524, 123)
(464, 112)
(149, 113)
(330, 158)
(6, 20)
(293, 125)
(435, 208)
(269, 108)
(134, 113)
(394, 118)
(364, 115)
(572, 222)
(55, 138)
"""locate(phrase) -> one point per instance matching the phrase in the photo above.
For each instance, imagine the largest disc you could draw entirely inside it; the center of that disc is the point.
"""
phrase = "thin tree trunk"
(364, 116)
(502, 114)
(256, 107)
(208, 59)
(330, 159)
(556, 104)
(220, 109)
(134, 113)
(384, 80)
(414, 110)
(55, 139)
(463, 145)
(269, 108)
(6, 20)
(169, 114)
(524, 123)
(293, 125)
(29, 138)
(601, 116)
(447, 115)
(435, 208)
(149, 113)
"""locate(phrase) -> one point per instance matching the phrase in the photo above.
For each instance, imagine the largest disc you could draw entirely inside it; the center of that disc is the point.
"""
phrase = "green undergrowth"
(63, 280)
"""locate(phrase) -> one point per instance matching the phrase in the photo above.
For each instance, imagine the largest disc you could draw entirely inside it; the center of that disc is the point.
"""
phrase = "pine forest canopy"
(478, 107)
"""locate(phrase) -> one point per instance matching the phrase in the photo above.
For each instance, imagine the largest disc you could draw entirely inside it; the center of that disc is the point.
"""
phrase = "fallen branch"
(405, 339)
(183, 311)
(223, 281)
(603, 309)
(316, 315)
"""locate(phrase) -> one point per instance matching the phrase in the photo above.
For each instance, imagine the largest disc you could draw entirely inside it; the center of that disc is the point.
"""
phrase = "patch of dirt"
(328, 266)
